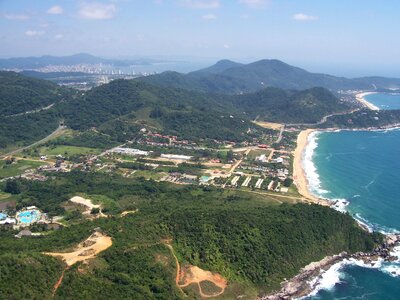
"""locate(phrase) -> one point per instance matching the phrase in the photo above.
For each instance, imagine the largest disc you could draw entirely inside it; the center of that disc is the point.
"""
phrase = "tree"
(12, 187)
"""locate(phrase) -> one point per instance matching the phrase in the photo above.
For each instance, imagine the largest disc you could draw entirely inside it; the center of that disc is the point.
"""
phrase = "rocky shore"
(304, 283)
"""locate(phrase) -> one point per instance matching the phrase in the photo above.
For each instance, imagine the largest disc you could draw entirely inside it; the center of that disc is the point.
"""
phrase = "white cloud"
(255, 3)
(97, 11)
(55, 10)
(18, 17)
(209, 17)
(58, 36)
(226, 46)
(201, 4)
(304, 17)
(33, 33)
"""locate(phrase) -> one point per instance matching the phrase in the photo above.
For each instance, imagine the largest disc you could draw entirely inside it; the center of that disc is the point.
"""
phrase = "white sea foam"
(310, 170)
(328, 279)
(334, 275)
(396, 252)
(393, 270)
(340, 204)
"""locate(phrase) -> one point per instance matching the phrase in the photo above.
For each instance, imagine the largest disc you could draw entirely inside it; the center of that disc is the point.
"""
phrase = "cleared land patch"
(269, 125)
(210, 284)
(87, 249)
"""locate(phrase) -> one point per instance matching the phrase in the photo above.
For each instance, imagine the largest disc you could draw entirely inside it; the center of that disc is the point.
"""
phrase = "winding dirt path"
(194, 275)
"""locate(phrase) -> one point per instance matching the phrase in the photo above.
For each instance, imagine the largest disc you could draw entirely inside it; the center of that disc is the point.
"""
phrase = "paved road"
(324, 119)
(54, 134)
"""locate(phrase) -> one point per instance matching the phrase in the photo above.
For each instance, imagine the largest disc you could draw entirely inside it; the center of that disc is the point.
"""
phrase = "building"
(176, 157)
(129, 151)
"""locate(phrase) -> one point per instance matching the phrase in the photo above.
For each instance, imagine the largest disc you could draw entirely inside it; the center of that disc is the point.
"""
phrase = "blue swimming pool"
(28, 216)
(2, 216)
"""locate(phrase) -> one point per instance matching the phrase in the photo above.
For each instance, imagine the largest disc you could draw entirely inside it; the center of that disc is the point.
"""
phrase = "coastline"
(299, 176)
(361, 98)
(307, 281)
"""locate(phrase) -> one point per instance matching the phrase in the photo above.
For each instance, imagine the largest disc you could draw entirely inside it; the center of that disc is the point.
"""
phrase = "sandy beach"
(361, 99)
(299, 175)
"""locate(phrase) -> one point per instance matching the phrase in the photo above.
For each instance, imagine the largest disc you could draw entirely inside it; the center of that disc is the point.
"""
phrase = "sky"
(357, 37)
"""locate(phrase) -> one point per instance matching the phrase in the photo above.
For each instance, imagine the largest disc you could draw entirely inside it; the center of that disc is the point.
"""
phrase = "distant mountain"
(219, 67)
(233, 78)
(24, 63)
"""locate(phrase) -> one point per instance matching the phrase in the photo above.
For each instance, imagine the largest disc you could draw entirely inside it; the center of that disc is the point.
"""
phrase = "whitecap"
(393, 270)
(327, 279)
(310, 170)
(340, 205)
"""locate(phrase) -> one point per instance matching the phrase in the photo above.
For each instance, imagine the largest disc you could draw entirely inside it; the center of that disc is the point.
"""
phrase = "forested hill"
(197, 115)
(283, 106)
(19, 94)
(122, 107)
(233, 78)
(251, 241)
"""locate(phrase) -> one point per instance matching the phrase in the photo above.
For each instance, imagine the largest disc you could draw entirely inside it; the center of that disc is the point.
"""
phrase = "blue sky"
(342, 36)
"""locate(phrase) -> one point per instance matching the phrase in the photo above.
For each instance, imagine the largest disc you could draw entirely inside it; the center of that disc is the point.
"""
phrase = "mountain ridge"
(236, 78)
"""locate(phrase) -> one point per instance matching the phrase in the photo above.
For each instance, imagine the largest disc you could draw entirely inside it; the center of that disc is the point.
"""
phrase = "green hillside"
(253, 242)
(122, 107)
(277, 105)
(19, 94)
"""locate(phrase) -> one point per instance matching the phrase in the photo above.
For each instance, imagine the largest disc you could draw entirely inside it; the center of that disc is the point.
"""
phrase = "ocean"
(384, 100)
(361, 171)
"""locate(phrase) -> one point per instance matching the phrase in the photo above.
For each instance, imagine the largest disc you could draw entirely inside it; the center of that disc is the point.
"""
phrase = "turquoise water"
(384, 100)
(363, 169)
(2, 216)
(29, 216)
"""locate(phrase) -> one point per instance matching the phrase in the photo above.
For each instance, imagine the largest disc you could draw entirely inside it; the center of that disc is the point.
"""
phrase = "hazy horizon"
(340, 38)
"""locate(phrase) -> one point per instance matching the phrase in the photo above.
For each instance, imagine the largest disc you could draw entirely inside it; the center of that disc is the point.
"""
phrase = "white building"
(176, 157)
(129, 151)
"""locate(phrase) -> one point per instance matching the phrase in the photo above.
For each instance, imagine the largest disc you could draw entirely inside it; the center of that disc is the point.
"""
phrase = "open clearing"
(269, 125)
(67, 150)
(88, 204)
(210, 284)
(17, 168)
(88, 249)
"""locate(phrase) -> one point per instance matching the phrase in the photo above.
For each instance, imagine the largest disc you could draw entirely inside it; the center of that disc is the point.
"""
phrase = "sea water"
(384, 100)
(360, 170)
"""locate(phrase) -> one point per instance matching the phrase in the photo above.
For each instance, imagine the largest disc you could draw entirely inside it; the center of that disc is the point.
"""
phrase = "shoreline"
(361, 98)
(299, 175)
(307, 281)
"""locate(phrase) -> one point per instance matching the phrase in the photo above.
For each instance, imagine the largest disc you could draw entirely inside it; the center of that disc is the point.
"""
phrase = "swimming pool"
(28, 216)
(3, 216)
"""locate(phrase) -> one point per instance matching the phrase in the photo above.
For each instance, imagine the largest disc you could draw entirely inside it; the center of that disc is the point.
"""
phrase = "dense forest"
(21, 94)
(118, 110)
(253, 242)
(277, 105)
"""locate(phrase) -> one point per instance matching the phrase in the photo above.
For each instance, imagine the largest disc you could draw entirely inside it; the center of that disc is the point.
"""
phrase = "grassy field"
(17, 168)
(67, 150)
(254, 153)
